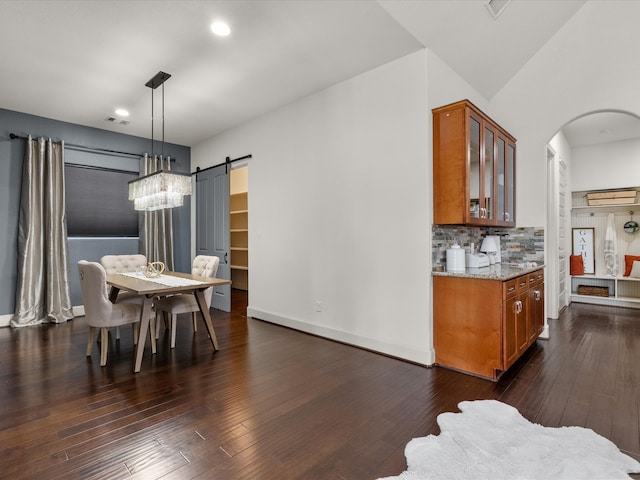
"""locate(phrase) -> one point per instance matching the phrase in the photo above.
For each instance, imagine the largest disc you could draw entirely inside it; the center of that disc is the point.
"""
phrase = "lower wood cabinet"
(482, 326)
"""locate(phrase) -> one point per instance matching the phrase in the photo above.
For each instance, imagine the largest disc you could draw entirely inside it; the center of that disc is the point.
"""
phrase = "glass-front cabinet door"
(482, 163)
(501, 179)
(500, 168)
(488, 174)
(510, 186)
(505, 191)
(475, 172)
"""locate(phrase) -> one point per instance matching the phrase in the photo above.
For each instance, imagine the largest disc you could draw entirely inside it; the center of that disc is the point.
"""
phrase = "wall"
(626, 243)
(12, 155)
(340, 208)
(325, 195)
(606, 165)
(620, 170)
(586, 67)
(517, 245)
(559, 227)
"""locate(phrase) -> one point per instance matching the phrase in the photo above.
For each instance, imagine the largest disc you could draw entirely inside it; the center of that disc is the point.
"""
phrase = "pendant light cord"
(162, 150)
(151, 151)
(157, 80)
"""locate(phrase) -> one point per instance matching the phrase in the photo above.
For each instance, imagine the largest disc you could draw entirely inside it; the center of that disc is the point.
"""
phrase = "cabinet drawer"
(536, 278)
(514, 286)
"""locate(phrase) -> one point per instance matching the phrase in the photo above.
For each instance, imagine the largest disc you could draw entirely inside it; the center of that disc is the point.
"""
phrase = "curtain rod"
(227, 161)
(72, 146)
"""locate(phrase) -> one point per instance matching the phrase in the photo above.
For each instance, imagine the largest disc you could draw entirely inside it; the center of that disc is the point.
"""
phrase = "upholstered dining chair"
(204, 266)
(99, 311)
(128, 264)
(124, 264)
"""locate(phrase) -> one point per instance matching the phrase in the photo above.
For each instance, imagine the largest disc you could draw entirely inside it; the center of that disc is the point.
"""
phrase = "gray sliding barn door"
(212, 227)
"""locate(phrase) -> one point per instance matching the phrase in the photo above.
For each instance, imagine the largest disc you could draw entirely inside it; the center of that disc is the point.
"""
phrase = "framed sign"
(583, 245)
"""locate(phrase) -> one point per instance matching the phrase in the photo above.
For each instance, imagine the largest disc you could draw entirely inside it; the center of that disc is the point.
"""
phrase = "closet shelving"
(239, 231)
(623, 291)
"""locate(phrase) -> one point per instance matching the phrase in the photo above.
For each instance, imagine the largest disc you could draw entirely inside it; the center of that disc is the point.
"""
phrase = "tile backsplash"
(516, 244)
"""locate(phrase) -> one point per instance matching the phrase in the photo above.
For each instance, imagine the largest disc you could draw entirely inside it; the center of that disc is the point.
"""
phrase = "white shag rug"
(491, 440)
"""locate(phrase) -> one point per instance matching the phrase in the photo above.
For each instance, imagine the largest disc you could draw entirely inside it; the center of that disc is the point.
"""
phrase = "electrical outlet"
(318, 306)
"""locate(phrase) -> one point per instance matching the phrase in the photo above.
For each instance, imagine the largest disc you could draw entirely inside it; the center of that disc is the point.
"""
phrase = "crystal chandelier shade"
(162, 189)
(159, 190)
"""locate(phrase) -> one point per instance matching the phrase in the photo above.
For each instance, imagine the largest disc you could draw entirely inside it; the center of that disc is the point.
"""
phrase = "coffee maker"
(491, 246)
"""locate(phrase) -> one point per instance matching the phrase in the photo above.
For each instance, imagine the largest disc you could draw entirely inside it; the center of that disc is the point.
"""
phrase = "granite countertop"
(499, 271)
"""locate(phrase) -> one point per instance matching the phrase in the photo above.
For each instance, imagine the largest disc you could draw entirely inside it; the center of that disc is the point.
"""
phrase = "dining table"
(167, 283)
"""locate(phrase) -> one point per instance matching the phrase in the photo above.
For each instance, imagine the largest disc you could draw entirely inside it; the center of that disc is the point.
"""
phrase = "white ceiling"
(77, 61)
(601, 127)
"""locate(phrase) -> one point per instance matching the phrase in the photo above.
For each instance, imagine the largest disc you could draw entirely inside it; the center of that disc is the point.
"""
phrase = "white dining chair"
(124, 264)
(204, 266)
(129, 264)
(99, 311)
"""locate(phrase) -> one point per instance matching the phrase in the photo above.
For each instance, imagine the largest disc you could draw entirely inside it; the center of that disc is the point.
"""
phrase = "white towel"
(610, 261)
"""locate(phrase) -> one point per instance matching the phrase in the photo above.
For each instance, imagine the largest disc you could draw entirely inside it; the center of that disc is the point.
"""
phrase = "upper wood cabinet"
(473, 168)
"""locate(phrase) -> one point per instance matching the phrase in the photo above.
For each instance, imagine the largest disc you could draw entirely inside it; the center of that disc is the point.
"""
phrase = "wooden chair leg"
(90, 343)
(104, 346)
(157, 326)
(117, 333)
(153, 327)
(136, 331)
(194, 319)
(174, 320)
(167, 322)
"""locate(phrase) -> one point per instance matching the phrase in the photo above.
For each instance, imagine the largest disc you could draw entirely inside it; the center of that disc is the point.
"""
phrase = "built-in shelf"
(623, 291)
(599, 207)
(631, 207)
(239, 229)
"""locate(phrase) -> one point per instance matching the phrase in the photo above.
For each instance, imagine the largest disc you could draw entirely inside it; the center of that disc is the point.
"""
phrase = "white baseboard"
(545, 332)
(426, 357)
(5, 320)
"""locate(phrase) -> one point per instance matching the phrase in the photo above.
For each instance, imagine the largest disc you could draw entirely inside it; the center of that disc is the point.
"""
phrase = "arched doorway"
(575, 162)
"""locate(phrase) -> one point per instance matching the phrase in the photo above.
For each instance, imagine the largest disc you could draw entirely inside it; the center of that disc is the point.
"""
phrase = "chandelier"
(162, 189)
(159, 190)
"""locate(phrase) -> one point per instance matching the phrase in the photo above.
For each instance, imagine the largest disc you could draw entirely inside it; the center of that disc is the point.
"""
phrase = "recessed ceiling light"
(220, 28)
(121, 112)
(605, 131)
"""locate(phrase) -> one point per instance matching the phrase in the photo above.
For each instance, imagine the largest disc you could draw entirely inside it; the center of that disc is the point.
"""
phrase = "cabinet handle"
(507, 216)
(517, 307)
(537, 295)
(483, 212)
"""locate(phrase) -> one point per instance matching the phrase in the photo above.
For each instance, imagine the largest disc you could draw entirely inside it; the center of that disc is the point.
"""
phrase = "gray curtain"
(42, 293)
(156, 239)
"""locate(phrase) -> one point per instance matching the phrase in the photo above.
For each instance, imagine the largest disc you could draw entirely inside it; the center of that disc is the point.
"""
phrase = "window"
(97, 203)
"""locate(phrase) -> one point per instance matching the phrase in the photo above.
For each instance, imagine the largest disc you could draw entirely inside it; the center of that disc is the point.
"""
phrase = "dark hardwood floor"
(274, 403)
